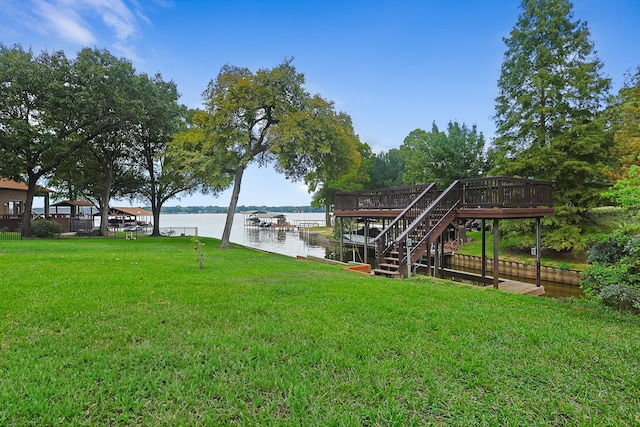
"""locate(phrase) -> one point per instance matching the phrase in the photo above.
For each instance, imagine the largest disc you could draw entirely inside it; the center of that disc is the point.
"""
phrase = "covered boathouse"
(414, 219)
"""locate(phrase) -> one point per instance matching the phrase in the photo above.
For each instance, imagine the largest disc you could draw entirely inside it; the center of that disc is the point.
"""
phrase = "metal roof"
(130, 211)
(74, 203)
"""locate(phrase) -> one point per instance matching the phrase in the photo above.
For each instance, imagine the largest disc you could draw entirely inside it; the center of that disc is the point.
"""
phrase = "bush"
(608, 251)
(598, 276)
(621, 297)
(45, 229)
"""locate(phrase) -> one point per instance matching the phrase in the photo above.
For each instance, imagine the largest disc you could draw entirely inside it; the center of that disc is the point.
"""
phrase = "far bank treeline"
(92, 127)
(240, 209)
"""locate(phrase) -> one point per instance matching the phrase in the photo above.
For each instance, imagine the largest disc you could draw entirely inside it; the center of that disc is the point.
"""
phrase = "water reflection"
(255, 235)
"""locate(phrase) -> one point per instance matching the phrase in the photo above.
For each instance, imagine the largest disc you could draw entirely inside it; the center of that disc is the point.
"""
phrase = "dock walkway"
(505, 285)
(515, 287)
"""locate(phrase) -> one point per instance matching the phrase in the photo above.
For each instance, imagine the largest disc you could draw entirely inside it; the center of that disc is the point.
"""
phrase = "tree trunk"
(156, 221)
(105, 196)
(327, 216)
(232, 208)
(28, 207)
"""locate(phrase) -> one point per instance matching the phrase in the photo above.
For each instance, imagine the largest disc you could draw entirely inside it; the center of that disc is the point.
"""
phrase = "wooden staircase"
(390, 267)
(395, 257)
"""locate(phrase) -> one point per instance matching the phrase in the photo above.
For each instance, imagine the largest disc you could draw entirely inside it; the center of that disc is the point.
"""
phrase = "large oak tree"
(266, 117)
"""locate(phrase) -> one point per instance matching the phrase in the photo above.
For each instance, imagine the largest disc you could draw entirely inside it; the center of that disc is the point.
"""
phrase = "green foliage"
(626, 192)
(548, 111)
(607, 251)
(598, 276)
(316, 143)
(521, 233)
(620, 297)
(564, 239)
(85, 124)
(616, 261)
(607, 218)
(443, 157)
(625, 117)
(389, 168)
(564, 231)
(45, 229)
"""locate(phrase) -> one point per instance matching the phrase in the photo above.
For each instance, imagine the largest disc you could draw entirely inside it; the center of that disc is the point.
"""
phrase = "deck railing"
(382, 198)
(492, 192)
(505, 192)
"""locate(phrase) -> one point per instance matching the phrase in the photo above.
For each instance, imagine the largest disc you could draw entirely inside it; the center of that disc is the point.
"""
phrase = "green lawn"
(116, 332)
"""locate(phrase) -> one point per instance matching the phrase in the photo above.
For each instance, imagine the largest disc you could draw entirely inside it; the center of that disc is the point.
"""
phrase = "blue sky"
(393, 66)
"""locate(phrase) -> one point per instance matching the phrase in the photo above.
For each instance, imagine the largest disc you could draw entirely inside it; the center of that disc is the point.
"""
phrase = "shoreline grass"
(116, 332)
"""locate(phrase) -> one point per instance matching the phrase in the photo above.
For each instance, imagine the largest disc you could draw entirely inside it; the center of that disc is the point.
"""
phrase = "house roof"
(12, 185)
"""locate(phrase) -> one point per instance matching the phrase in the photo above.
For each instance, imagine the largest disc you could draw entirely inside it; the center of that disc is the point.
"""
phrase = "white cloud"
(65, 22)
(78, 21)
(115, 14)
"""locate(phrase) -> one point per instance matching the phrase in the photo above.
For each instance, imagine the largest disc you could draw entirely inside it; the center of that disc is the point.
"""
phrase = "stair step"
(388, 273)
(391, 267)
(391, 260)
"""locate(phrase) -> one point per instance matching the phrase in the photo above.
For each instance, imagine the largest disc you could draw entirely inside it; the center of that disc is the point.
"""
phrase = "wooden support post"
(496, 238)
(538, 250)
(366, 241)
(341, 239)
(436, 258)
(441, 253)
(408, 244)
(484, 249)
(428, 257)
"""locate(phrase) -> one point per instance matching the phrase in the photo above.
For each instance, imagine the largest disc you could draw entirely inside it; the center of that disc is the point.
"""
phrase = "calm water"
(267, 239)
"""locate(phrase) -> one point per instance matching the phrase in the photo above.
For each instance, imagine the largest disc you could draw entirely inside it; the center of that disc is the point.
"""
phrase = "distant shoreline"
(240, 209)
(223, 209)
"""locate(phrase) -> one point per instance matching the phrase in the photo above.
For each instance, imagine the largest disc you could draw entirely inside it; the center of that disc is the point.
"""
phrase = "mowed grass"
(116, 332)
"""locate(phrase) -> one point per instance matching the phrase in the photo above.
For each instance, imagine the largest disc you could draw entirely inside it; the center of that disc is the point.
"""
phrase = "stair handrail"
(443, 206)
(382, 240)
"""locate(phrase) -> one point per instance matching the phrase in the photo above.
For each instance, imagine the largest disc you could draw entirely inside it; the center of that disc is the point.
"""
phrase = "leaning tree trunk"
(232, 208)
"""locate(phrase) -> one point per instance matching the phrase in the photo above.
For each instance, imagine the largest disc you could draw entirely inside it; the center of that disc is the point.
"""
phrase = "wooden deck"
(515, 287)
(419, 215)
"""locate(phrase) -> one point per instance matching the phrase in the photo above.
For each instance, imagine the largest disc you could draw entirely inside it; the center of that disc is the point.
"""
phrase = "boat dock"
(267, 220)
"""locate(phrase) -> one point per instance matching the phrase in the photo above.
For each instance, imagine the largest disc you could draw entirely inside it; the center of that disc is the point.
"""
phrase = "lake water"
(268, 239)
